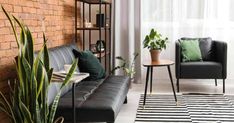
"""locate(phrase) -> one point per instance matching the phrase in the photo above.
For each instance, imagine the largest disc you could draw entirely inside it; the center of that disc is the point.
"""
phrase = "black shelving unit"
(104, 33)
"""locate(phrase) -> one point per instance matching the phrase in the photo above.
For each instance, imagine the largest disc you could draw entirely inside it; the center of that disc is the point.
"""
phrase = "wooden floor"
(128, 111)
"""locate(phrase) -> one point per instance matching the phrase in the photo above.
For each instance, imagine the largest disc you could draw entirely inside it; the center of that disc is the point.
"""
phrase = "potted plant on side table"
(155, 43)
(27, 102)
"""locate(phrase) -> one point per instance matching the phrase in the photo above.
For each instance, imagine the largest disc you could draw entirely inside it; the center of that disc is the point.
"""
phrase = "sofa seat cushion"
(105, 103)
(82, 91)
(201, 70)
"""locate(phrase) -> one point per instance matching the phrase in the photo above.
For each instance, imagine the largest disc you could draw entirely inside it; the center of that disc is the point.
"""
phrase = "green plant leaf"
(25, 112)
(54, 107)
(30, 47)
(46, 58)
(70, 73)
(12, 25)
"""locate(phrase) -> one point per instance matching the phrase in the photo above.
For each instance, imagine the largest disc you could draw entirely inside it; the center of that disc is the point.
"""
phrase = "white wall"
(182, 18)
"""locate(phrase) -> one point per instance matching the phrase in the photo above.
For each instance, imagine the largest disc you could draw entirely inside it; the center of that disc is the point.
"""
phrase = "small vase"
(155, 55)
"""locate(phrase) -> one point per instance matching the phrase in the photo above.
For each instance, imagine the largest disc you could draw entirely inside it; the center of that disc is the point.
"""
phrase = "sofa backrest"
(59, 56)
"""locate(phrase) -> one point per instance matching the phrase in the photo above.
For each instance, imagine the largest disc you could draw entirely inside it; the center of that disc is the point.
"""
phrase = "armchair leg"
(126, 100)
(223, 85)
(215, 82)
(177, 85)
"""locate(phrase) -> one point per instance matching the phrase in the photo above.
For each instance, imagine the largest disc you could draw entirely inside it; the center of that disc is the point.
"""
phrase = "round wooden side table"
(150, 64)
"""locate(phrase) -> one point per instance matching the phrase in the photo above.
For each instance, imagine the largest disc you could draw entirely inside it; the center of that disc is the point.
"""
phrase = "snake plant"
(28, 99)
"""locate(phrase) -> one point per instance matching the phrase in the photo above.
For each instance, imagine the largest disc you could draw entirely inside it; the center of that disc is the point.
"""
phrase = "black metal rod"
(169, 71)
(105, 15)
(215, 82)
(151, 79)
(73, 102)
(223, 85)
(100, 31)
(75, 21)
(84, 26)
(146, 84)
(89, 30)
(110, 45)
(178, 85)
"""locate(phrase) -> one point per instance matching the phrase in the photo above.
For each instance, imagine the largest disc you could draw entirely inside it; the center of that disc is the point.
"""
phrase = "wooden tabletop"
(161, 62)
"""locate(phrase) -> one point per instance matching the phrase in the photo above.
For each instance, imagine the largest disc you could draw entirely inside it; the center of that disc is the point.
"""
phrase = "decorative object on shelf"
(93, 48)
(100, 20)
(28, 99)
(127, 66)
(100, 46)
(88, 24)
(155, 43)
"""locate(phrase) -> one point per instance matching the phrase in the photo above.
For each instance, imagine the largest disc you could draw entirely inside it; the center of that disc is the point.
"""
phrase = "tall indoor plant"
(28, 99)
(155, 43)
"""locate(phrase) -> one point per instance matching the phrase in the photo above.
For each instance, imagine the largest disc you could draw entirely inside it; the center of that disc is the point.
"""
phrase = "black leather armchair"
(213, 65)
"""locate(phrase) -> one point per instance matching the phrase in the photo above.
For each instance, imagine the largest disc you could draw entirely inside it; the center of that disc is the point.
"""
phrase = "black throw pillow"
(90, 64)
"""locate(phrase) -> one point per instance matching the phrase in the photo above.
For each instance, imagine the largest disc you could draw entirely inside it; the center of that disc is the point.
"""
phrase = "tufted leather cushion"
(206, 46)
(201, 70)
(102, 104)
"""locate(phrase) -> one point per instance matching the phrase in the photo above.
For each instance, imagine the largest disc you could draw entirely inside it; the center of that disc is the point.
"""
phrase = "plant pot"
(155, 55)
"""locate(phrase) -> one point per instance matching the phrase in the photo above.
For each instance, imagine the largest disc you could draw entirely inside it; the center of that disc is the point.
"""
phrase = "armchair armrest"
(221, 55)
(177, 59)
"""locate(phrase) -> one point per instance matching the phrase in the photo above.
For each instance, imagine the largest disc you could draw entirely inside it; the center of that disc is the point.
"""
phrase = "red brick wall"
(59, 29)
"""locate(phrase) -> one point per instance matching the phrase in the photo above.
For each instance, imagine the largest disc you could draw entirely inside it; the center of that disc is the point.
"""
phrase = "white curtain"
(127, 32)
(189, 18)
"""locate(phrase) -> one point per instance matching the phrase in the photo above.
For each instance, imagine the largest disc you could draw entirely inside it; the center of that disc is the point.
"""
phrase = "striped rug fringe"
(197, 108)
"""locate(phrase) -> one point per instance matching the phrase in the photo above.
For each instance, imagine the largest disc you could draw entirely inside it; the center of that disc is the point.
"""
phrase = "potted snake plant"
(155, 43)
(27, 102)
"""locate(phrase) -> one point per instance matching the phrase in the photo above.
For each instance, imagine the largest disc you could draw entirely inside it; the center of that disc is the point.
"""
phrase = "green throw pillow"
(90, 64)
(190, 50)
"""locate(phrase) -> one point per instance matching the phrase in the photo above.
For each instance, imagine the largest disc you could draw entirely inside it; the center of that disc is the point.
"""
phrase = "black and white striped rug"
(197, 108)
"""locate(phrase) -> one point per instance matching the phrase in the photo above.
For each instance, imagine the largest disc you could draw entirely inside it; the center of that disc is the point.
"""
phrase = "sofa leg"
(223, 85)
(215, 82)
(109, 122)
(126, 100)
(177, 85)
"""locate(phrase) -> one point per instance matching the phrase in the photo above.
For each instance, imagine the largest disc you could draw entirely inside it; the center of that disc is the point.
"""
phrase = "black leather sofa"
(96, 101)
(213, 65)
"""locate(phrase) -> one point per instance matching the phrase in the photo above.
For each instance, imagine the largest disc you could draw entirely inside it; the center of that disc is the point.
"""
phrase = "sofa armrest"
(177, 59)
(221, 55)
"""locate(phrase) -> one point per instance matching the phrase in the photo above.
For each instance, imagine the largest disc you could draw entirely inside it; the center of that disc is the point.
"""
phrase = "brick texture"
(57, 16)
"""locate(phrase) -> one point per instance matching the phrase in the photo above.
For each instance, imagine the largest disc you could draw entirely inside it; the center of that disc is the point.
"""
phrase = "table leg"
(169, 71)
(146, 84)
(151, 79)
(73, 102)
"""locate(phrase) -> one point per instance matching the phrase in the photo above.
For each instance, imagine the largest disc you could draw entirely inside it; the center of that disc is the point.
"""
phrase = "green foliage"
(126, 66)
(154, 41)
(28, 98)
